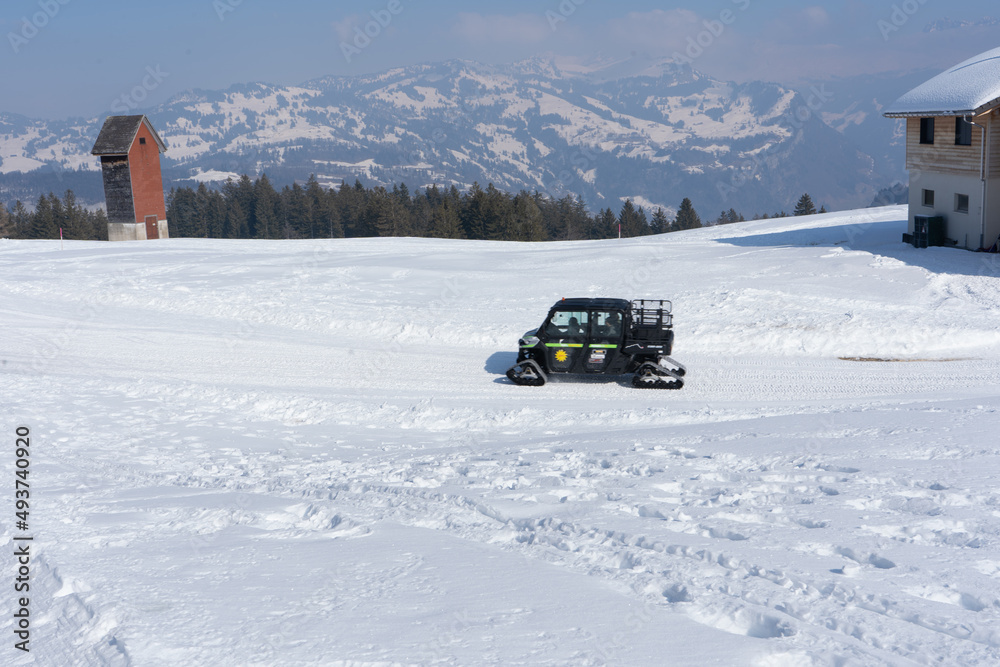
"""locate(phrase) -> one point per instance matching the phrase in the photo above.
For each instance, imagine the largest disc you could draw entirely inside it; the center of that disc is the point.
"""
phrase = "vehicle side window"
(606, 324)
(567, 324)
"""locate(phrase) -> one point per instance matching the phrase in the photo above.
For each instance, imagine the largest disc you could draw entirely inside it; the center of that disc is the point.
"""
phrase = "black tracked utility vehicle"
(602, 337)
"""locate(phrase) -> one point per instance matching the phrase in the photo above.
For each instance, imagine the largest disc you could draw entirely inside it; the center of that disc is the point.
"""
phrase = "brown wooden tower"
(130, 149)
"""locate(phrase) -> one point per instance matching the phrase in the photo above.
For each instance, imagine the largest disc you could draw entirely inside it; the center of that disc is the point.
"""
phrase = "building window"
(142, 140)
(927, 130)
(928, 198)
(961, 203)
(963, 132)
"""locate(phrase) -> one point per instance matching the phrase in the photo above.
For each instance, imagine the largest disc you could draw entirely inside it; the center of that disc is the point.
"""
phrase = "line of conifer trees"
(49, 216)
(255, 209)
(246, 209)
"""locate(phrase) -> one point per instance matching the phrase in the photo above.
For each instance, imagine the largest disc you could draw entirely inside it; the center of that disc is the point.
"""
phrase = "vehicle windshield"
(568, 324)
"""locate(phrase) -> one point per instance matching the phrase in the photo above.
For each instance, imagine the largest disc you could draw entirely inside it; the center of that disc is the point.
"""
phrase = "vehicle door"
(604, 343)
(566, 340)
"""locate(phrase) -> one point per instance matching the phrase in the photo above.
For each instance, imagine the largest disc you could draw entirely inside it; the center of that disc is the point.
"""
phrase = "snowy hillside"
(661, 133)
(291, 453)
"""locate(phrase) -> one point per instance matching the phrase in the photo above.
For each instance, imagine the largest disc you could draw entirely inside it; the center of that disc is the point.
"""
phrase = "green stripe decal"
(564, 345)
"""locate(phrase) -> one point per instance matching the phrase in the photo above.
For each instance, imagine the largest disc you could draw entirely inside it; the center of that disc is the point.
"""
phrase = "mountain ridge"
(659, 135)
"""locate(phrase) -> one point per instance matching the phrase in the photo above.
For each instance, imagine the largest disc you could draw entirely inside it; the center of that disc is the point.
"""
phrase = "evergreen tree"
(528, 224)
(579, 221)
(6, 223)
(43, 223)
(243, 193)
(266, 209)
(556, 217)
(434, 196)
(499, 213)
(504, 226)
(633, 221)
(350, 202)
(565, 219)
(606, 225)
(445, 221)
(659, 223)
(236, 226)
(385, 215)
(324, 219)
(297, 216)
(215, 216)
(729, 217)
(420, 215)
(98, 225)
(687, 217)
(21, 218)
(805, 206)
(199, 223)
(474, 213)
(76, 224)
(58, 215)
(182, 212)
(822, 209)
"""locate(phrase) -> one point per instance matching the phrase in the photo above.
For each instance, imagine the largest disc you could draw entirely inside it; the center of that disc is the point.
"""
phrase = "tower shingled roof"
(118, 133)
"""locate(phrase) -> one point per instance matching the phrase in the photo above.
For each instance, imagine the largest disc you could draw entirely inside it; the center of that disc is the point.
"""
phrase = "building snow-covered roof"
(967, 89)
(118, 133)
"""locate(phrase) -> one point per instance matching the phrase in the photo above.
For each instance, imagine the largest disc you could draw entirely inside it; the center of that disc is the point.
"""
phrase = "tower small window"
(142, 140)
(927, 130)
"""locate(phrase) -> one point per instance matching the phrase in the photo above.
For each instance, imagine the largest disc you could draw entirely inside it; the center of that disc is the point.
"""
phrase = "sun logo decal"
(561, 356)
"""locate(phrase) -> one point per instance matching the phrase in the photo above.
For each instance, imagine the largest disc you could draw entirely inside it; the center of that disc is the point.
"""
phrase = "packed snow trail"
(307, 453)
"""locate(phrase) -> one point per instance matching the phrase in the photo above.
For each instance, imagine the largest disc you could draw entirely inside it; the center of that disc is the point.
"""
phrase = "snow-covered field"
(292, 453)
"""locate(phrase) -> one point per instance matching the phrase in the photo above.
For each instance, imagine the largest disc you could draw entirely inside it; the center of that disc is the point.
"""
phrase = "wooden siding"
(943, 156)
(147, 180)
(117, 189)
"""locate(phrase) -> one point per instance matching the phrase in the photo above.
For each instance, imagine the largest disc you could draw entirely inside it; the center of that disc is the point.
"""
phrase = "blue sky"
(63, 58)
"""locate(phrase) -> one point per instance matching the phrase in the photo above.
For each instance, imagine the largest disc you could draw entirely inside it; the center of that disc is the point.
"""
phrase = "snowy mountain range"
(952, 24)
(653, 131)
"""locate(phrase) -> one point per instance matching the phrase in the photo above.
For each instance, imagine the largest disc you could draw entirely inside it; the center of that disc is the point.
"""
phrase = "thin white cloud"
(345, 27)
(659, 31)
(816, 16)
(516, 29)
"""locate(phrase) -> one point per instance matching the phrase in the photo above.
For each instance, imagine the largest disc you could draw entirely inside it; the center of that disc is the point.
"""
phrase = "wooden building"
(953, 150)
(130, 149)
